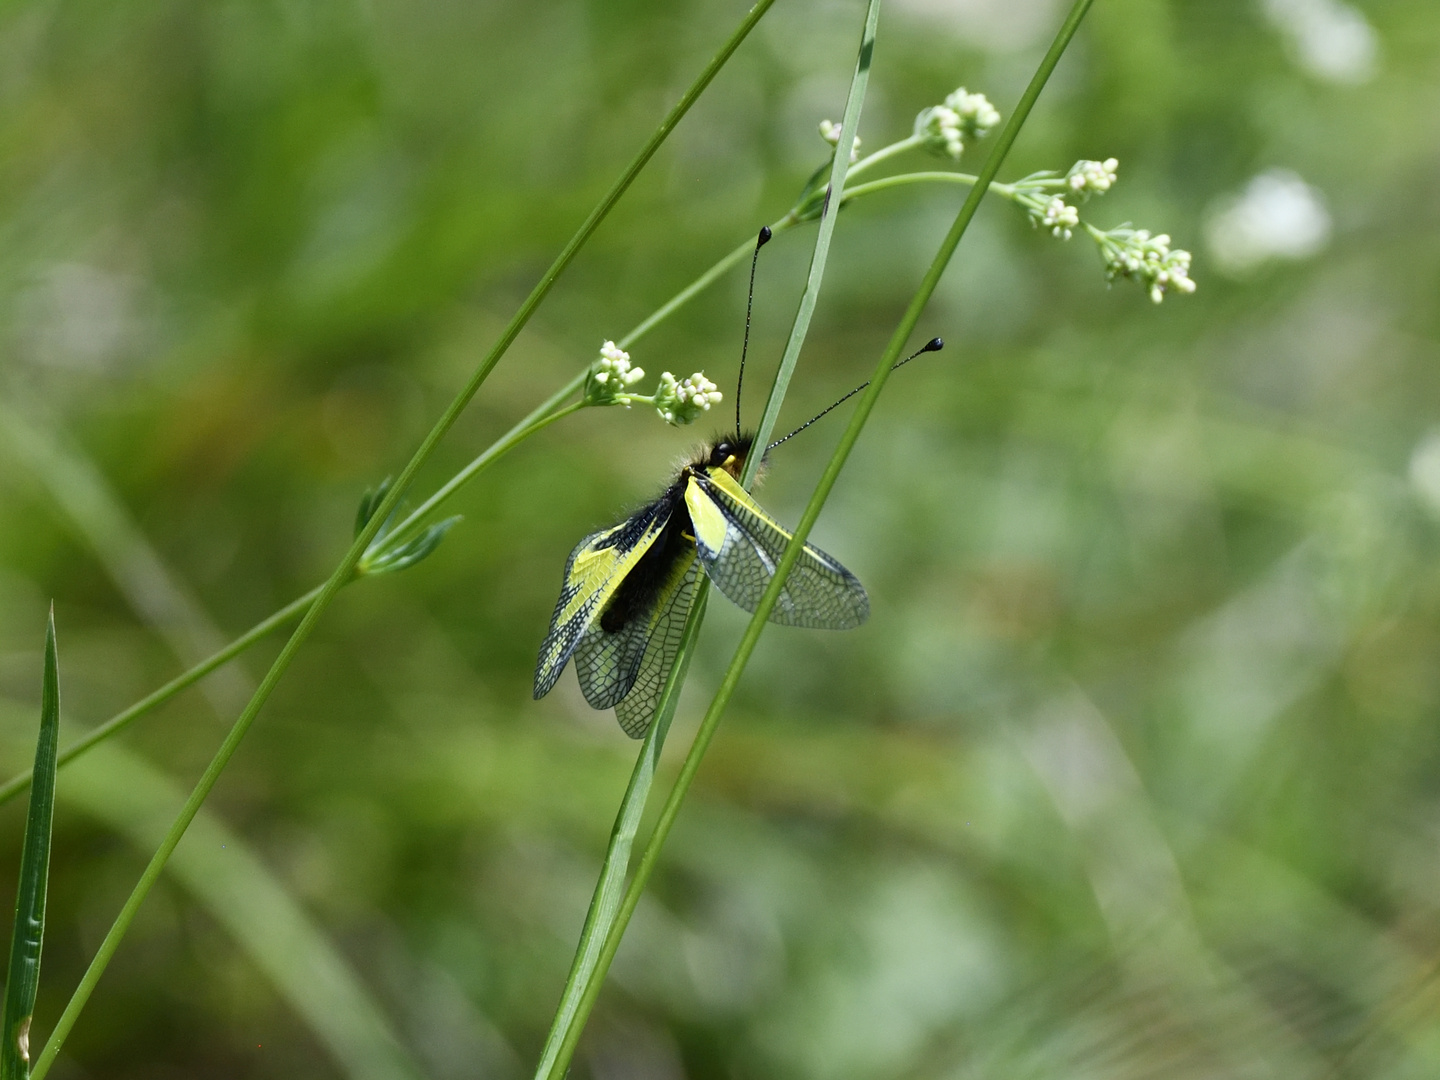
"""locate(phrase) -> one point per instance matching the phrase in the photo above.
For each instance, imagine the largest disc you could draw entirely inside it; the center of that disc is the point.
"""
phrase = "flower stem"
(541, 417)
(885, 153)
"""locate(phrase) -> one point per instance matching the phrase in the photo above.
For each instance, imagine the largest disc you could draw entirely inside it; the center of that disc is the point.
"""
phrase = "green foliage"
(1132, 772)
(27, 936)
(383, 556)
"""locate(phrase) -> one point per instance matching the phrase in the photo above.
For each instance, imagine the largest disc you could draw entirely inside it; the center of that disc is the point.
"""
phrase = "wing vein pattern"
(741, 547)
(593, 572)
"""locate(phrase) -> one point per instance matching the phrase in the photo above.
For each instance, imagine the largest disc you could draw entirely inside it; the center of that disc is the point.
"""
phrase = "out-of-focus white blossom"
(963, 117)
(1087, 178)
(1277, 216)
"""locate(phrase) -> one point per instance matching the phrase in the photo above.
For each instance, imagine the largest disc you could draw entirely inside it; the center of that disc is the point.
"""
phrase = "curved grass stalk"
(650, 857)
(345, 570)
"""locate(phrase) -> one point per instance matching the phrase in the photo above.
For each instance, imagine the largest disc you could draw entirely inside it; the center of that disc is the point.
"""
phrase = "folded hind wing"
(636, 710)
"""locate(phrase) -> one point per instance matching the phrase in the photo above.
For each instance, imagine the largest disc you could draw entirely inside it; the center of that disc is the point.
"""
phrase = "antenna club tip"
(764, 237)
(935, 344)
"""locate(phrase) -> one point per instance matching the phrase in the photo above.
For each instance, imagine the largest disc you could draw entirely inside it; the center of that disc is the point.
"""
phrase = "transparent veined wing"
(740, 546)
(636, 710)
(593, 572)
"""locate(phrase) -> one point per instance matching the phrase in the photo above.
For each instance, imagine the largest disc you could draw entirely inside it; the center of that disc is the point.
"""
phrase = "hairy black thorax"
(638, 592)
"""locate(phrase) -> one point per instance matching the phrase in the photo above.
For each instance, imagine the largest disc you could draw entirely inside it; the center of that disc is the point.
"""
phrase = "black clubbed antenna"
(760, 241)
(933, 345)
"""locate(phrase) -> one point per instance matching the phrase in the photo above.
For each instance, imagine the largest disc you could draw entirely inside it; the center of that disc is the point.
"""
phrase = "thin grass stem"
(835, 192)
(346, 568)
(610, 887)
(670, 811)
(588, 968)
(541, 417)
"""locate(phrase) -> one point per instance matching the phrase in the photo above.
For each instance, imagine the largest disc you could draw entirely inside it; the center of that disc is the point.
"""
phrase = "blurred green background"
(1135, 770)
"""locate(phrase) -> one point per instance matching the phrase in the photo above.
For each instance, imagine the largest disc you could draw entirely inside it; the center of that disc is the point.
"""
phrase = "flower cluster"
(678, 401)
(681, 402)
(1087, 178)
(610, 376)
(1057, 216)
(1135, 254)
(830, 132)
(963, 117)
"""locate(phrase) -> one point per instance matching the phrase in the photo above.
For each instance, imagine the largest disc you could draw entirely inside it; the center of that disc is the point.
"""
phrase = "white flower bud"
(1135, 254)
(1060, 218)
(976, 115)
(680, 402)
(963, 117)
(830, 132)
(612, 372)
(1087, 178)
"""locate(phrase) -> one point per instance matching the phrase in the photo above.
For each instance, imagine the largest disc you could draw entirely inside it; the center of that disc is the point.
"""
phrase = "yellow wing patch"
(740, 546)
(593, 572)
(706, 516)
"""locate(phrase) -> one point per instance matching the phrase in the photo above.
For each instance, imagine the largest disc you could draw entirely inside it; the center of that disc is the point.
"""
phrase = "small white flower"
(680, 402)
(1087, 178)
(1135, 254)
(977, 115)
(963, 116)
(611, 374)
(940, 127)
(1060, 218)
(830, 132)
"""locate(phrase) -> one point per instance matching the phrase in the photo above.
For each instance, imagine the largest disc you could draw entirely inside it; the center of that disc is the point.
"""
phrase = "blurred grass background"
(1134, 771)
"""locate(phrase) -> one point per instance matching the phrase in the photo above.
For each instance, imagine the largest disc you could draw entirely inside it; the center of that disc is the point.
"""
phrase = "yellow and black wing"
(740, 546)
(593, 572)
(627, 669)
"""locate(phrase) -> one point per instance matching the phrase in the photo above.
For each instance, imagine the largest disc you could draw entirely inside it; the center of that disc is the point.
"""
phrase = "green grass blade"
(22, 980)
(670, 811)
(345, 571)
(610, 888)
(605, 904)
(839, 168)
